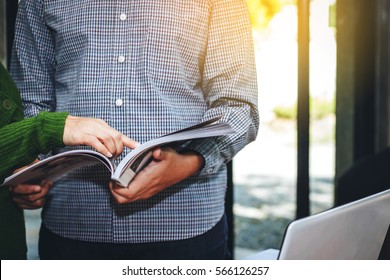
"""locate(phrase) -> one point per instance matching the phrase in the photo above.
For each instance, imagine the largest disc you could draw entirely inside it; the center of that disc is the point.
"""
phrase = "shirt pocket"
(176, 44)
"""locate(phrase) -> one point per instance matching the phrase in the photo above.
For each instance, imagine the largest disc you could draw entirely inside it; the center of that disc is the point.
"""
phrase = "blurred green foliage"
(319, 108)
(262, 11)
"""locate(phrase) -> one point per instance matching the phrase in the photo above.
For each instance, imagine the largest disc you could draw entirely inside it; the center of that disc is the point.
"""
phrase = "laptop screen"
(352, 231)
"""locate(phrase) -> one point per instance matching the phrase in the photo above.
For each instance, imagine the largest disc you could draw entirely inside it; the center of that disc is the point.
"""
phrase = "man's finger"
(26, 189)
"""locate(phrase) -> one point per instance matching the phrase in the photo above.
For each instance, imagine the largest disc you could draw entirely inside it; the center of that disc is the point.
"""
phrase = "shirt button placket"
(121, 59)
(122, 17)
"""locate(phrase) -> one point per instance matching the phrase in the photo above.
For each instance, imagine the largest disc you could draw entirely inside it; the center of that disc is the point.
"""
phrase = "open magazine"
(54, 167)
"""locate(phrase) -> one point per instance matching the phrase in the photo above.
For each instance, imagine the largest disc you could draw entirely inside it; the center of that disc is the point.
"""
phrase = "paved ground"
(33, 220)
(265, 183)
(264, 176)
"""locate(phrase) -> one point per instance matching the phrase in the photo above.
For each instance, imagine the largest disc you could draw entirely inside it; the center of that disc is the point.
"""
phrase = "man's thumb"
(158, 153)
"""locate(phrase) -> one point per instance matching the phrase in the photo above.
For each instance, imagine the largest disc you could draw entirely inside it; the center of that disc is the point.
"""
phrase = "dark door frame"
(11, 7)
(363, 80)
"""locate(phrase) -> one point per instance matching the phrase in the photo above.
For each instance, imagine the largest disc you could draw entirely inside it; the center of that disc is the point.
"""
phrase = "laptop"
(359, 230)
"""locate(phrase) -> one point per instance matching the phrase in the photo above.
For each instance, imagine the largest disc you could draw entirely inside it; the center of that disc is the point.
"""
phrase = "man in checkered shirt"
(147, 68)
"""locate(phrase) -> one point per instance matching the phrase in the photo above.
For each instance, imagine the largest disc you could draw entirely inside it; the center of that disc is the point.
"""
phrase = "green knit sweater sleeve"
(21, 142)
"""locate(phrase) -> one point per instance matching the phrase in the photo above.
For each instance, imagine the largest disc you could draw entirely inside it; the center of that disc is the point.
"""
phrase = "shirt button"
(119, 102)
(121, 59)
(123, 17)
(7, 105)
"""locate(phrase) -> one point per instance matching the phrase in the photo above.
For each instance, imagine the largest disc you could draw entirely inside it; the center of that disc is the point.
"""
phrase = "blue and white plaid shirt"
(147, 68)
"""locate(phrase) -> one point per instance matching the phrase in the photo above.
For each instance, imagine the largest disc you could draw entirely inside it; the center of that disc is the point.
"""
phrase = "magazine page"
(54, 167)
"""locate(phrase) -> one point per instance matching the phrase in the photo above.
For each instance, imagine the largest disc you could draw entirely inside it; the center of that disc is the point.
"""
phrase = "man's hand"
(167, 168)
(30, 196)
(97, 134)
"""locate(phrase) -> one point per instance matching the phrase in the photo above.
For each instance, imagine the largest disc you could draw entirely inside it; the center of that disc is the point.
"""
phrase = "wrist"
(52, 125)
(196, 160)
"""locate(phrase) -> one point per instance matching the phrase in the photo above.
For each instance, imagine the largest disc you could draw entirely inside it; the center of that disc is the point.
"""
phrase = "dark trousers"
(210, 245)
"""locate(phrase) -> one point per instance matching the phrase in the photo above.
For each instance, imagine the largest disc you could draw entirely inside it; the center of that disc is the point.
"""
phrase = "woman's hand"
(97, 134)
(30, 196)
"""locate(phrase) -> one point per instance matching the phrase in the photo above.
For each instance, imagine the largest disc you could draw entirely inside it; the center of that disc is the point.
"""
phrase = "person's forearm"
(194, 160)
(22, 141)
(229, 84)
